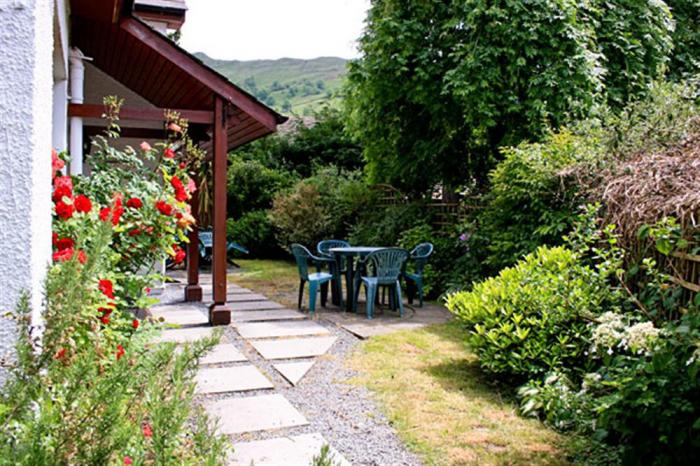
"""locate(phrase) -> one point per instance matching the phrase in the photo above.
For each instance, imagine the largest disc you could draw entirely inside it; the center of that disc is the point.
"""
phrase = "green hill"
(289, 85)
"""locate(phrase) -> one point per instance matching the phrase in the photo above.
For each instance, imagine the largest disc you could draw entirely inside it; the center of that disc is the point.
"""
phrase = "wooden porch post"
(219, 312)
(193, 292)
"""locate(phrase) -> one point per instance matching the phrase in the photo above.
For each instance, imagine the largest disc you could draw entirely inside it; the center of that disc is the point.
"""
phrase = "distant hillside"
(289, 85)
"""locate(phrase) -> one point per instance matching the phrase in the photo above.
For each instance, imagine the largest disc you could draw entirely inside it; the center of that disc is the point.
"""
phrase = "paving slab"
(245, 297)
(254, 413)
(186, 335)
(293, 348)
(293, 371)
(281, 329)
(180, 317)
(231, 379)
(260, 316)
(283, 451)
(221, 353)
(255, 306)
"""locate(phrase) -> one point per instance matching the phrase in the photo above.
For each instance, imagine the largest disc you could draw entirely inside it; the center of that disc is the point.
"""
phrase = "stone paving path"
(241, 395)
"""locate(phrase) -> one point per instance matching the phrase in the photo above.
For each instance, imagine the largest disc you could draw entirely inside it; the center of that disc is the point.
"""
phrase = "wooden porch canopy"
(167, 76)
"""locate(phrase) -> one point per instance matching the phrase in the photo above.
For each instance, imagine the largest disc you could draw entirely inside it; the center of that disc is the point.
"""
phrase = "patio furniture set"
(377, 268)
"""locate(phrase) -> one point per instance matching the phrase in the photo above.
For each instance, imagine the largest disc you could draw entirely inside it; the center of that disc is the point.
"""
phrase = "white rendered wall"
(26, 96)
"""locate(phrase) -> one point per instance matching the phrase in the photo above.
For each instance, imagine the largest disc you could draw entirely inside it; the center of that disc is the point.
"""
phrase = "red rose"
(181, 195)
(63, 187)
(135, 324)
(128, 461)
(65, 211)
(164, 208)
(104, 213)
(82, 204)
(117, 209)
(147, 430)
(182, 165)
(106, 311)
(107, 288)
(120, 352)
(82, 257)
(64, 243)
(54, 238)
(168, 153)
(56, 163)
(135, 232)
(134, 203)
(63, 255)
(176, 183)
(179, 254)
(105, 320)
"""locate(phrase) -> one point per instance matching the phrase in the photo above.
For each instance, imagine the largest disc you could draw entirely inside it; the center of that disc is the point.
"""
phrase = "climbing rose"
(135, 323)
(168, 153)
(164, 208)
(182, 165)
(191, 186)
(65, 211)
(107, 288)
(82, 257)
(135, 232)
(82, 203)
(105, 320)
(120, 352)
(134, 203)
(145, 146)
(179, 254)
(117, 209)
(63, 255)
(147, 430)
(106, 311)
(64, 243)
(56, 163)
(63, 187)
(104, 214)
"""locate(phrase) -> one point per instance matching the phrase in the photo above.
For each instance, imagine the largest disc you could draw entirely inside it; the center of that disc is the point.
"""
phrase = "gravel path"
(343, 413)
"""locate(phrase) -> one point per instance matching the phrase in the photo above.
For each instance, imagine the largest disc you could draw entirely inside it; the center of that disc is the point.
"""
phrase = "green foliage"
(384, 225)
(532, 318)
(254, 231)
(686, 37)
(252, 185)
(529, 203)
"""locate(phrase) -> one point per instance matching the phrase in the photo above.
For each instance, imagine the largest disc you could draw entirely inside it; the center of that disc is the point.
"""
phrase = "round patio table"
(350, 252)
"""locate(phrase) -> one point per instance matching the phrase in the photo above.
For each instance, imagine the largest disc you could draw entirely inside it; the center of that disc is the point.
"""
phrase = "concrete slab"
(281, 329)
(231, 379)
(186, 335)
(283, 451)
(224, 352)
(245, 297)
(253, 413)
(261, 316)
(293, 348)
(180, 317)
(293, 371)
(255, 306)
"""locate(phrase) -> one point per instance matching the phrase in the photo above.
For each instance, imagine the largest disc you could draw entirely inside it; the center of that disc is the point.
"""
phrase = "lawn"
(443, 406)
(276, 279)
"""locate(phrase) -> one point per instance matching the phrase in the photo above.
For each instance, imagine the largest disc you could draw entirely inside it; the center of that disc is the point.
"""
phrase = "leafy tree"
(686, 37)
(442, 85)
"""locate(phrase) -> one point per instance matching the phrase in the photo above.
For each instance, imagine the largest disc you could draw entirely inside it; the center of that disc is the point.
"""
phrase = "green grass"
(276, 279)
(444, 408)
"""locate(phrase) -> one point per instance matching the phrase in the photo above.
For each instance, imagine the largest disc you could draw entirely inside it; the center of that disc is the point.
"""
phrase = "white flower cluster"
(612, 332)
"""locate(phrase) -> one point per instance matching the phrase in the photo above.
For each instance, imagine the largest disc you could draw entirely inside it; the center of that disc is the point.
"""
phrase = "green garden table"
(350, 253)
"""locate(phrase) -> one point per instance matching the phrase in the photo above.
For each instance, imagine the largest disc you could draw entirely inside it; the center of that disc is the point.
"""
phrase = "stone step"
(180, 315)
(254, 413)
(222, 353)
(231, 379)
(245, 297)
(281, 329)
(255, 306)
(293, 348)
(261, 316)
(283, 451)
(186, 335)
(293, 371)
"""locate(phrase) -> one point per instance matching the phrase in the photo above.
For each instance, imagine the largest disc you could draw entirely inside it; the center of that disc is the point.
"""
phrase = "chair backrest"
(323, 247)
(301, 256)
(420, 255)
(387, 263)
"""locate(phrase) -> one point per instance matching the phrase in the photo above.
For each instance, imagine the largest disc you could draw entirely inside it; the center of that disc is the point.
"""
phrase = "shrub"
(529, 204)
(384, 225)
(255, 232)
(252, 186)
(532, 318)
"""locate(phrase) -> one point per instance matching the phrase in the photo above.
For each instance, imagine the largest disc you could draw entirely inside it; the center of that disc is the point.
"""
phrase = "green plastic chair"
(323, 248)
(303, 256)
(383, 268)
(414, 280)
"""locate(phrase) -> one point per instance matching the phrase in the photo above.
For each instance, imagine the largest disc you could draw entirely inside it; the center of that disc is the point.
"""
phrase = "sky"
(271, 29)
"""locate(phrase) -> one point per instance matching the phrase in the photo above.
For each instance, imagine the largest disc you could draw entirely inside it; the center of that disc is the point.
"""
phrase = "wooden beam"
(219, 312)
(140, 113)
(217, 83)
(193, 291)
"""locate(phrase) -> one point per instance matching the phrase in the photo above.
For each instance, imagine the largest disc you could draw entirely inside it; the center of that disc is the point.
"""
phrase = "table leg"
(349, 284)
(337, 282)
